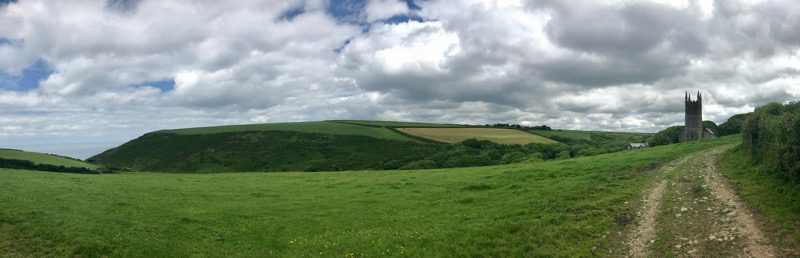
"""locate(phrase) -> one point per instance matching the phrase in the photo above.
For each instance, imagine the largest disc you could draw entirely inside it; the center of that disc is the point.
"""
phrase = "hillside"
(262, 151)
(397, 124)
(497, 135)
(320, 146)
(324, 127)
(592, 142)
(574, 207)
(42, 158)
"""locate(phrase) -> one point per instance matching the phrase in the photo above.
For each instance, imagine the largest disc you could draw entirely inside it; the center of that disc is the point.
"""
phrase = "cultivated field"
(41, 158)
(498, 135)
(574, 207)
(303, 127)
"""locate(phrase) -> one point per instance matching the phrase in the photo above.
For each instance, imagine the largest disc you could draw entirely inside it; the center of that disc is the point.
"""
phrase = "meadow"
(323, 127)
(498, 135)
(395, 124)
(574, 207)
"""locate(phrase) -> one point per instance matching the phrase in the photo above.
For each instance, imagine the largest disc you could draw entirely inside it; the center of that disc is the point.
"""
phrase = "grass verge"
(775, 199)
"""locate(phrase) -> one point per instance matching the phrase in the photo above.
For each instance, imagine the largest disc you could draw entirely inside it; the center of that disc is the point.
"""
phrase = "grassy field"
(556, 208)
(777, 200)
(324, 127)
(396, 124)
(41, 158)
(498, 135)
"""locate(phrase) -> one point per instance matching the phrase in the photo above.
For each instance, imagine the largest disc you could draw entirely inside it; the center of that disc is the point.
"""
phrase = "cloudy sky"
(79, 76)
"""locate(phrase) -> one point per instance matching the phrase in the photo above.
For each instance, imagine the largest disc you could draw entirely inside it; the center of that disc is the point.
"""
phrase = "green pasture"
(455, 135)
(397, 124)
(41, 158)
(562, 208)
(324, 127)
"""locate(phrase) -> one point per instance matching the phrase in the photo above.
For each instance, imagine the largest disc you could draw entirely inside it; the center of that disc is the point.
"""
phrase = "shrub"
(771, 136)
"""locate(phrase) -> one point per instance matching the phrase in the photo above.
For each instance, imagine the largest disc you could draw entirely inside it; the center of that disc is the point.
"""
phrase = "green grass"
(558, 208)
(396, 124)
(455, 135)
(324, 127)
(775, 199)
(42, 158)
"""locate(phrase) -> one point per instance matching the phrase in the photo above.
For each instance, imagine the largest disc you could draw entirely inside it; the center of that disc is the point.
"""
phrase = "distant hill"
(351, 145)
(42, 158)
(323, 127)
(397, 124)
(17, 159)
(261, 151)
(497, 135)
(587, 143)
(316, 146)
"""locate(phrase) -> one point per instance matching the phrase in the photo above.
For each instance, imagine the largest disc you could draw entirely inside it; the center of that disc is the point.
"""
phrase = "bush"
(667, 136)
(733, 125)
(771, 136)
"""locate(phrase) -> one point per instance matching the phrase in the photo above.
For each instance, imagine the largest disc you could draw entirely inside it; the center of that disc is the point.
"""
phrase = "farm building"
(636, 145)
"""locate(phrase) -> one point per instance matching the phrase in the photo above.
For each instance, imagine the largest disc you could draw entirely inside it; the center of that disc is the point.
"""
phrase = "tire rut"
(645, 230)
(692, 212)
(755, 244)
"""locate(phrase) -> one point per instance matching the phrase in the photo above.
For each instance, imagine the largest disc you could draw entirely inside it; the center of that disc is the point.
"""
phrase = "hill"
(497, 135)
(585, 143)
(42, 158)
(397, 124)
(566, 208)
(318, 146)
(262, 151)
(323, 127)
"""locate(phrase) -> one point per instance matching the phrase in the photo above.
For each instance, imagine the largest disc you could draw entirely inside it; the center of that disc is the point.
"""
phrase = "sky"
(78, 77)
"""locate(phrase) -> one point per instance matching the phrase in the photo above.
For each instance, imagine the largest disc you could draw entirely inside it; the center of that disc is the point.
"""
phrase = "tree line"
(28, 165)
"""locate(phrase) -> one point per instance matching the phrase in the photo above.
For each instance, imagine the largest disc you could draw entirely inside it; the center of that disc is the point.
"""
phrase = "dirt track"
(692, 212)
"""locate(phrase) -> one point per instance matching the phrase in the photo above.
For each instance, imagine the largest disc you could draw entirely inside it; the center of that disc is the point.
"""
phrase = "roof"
(637, 144)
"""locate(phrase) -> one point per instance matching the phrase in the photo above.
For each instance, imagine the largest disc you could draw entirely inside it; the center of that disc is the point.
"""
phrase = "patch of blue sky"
(163, 85)
(28, 80)
(352, 11)
(289, 14)
(347, 11)
(402, 18)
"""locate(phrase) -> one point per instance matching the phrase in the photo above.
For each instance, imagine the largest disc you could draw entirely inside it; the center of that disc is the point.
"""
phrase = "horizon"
(78, 77)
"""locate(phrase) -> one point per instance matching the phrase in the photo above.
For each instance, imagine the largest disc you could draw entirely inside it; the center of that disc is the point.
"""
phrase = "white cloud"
(618, 65)
(383, 9)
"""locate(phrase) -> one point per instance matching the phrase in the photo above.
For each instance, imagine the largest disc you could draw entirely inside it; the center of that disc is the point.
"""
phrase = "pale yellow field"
(498, 135)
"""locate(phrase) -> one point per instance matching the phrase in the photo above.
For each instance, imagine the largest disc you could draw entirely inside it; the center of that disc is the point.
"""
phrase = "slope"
(574, 207)
(42, 158)
(592, 142)
(261, 151)
(497, 135)
(323, 127)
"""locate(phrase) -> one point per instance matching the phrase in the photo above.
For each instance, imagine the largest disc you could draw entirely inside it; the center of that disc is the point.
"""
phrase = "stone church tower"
(693, 129)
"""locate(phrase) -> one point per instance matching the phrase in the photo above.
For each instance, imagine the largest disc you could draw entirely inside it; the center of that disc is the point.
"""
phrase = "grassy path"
(693, 212)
